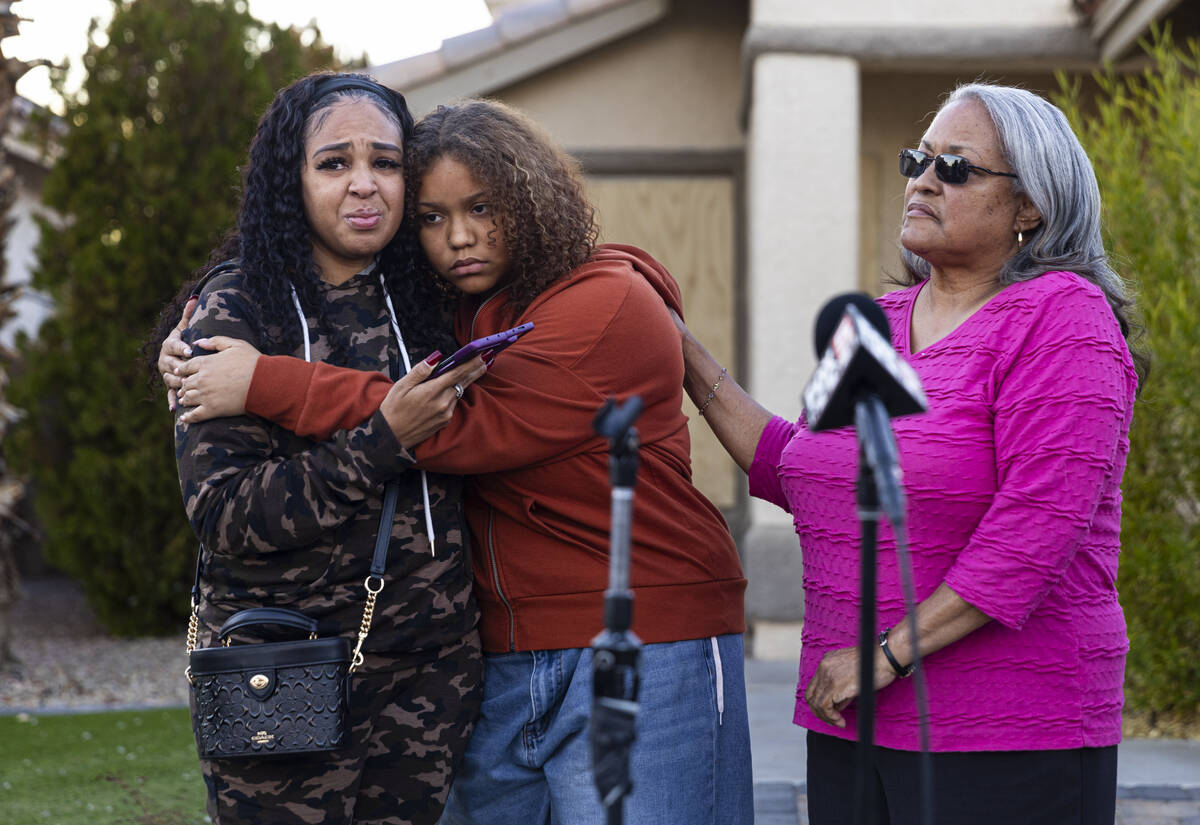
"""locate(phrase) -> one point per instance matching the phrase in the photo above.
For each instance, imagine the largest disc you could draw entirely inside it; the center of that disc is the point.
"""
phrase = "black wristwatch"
(901, 672)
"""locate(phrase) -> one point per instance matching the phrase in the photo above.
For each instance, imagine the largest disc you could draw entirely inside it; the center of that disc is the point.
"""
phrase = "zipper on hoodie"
(512, 643)
(491, 544)
(479, 309)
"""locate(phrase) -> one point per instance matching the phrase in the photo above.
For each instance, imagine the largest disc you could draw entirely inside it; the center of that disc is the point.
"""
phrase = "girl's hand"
(416, 409)
(174, 353)
(215, 386)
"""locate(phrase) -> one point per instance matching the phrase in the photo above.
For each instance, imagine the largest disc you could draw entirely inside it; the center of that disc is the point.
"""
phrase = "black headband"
(330, 84)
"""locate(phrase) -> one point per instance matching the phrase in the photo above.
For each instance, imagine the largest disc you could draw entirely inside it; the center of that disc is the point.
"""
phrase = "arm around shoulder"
(314, 399)
(733, 415)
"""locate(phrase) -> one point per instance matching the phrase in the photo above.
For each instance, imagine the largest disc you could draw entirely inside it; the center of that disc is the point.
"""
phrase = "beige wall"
(675, 85)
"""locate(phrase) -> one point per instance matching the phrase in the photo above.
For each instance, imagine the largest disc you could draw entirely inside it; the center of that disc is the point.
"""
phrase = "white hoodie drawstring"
(720, 682)
(408, 368)
(303, 325)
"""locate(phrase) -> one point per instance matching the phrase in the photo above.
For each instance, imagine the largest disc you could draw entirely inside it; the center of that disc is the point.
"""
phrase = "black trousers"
(1055, 787)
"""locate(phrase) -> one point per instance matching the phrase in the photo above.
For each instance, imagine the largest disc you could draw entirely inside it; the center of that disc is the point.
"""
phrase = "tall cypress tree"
(146, 183)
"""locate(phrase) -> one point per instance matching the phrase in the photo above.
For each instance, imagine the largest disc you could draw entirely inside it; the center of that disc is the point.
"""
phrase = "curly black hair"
(548, 225)
(272, 236)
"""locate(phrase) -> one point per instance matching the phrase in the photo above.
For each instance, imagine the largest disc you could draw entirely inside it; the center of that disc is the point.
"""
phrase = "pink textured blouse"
(1014, 501)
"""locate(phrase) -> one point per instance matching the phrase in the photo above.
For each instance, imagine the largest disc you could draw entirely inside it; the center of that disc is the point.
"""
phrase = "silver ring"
(458, 390)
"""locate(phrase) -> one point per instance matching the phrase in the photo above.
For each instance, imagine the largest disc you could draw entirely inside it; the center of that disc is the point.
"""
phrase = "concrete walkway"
(1158, 779)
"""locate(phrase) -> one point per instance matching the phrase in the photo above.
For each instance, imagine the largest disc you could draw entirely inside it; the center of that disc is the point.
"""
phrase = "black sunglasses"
(948, 168)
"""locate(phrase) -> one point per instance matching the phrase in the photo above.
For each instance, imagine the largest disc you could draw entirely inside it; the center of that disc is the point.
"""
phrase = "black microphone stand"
(868, 516)
(615, 651)
(876, 455)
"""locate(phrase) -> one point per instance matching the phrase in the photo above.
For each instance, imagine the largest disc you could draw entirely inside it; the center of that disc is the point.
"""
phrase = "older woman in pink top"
(1017, 327)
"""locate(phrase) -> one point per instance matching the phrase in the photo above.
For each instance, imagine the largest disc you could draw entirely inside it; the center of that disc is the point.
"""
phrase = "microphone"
(861, 380)
(853, 343)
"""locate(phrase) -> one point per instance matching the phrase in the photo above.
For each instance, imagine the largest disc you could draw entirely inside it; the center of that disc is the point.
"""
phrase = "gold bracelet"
(713, 392)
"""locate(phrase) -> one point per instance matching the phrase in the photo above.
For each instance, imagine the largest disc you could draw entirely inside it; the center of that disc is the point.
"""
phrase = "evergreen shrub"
(1142, 132)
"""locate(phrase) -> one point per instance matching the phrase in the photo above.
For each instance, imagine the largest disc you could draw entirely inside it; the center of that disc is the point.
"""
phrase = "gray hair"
(1054, 172)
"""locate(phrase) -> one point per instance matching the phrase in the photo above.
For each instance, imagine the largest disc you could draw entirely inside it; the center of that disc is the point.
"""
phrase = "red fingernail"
(434, 357)
(487, 360)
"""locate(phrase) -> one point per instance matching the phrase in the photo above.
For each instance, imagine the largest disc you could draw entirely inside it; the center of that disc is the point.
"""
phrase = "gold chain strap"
(193, 633)
(368, 615)
(364, 628)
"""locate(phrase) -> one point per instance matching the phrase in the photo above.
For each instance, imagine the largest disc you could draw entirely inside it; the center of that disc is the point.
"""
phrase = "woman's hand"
(215, 386)
(835, 684)
(416, 409)
(174, 353)
(942, 619)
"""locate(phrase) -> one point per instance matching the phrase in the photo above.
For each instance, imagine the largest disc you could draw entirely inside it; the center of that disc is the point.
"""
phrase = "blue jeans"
(529, 763)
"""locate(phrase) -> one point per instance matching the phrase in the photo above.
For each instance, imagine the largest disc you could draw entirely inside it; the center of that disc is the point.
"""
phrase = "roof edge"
(521, 41)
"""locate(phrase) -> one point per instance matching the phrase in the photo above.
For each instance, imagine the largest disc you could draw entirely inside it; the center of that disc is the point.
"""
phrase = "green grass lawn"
(126, 768)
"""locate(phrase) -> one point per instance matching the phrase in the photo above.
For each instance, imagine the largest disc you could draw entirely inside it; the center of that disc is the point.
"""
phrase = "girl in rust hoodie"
(503, 222)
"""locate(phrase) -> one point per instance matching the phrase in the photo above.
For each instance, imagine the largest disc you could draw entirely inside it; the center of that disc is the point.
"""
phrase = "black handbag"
(278, 698)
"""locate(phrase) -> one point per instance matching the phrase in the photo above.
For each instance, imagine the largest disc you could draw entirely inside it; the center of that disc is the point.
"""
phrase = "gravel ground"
(68, 662)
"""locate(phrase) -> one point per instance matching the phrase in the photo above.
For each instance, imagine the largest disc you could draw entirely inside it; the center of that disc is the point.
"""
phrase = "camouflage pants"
(409, 729)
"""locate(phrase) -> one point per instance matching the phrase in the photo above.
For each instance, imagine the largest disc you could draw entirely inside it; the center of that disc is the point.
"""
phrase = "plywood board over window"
(687, 223)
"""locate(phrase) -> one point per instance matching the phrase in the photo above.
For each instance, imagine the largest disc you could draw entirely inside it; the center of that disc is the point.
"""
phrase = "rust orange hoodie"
(539, 501)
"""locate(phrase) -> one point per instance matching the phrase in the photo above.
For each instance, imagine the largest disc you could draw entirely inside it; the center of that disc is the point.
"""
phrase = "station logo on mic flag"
(859, 359)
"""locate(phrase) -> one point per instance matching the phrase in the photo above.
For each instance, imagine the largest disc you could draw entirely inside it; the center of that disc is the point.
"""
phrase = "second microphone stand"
(615, 651)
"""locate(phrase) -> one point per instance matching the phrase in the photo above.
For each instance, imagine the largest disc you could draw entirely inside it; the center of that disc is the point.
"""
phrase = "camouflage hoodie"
(288, 522)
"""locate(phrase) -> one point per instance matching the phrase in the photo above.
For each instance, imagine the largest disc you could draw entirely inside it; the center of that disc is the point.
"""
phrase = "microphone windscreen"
(831, 314)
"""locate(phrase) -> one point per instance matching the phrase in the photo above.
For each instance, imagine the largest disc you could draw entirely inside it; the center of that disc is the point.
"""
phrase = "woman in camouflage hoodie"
(319, 272)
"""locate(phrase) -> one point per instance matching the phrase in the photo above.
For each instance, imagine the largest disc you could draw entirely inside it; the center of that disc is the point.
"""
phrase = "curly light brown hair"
(548, 225)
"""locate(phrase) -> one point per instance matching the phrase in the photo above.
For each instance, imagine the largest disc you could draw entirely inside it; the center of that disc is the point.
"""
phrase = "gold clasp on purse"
(192, 634)
(368, 614)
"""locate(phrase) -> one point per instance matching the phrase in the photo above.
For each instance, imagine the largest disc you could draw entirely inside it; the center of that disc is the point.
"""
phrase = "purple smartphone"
(480, 346)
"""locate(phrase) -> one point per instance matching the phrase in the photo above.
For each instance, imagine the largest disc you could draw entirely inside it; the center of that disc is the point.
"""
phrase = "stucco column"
(802, 246)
